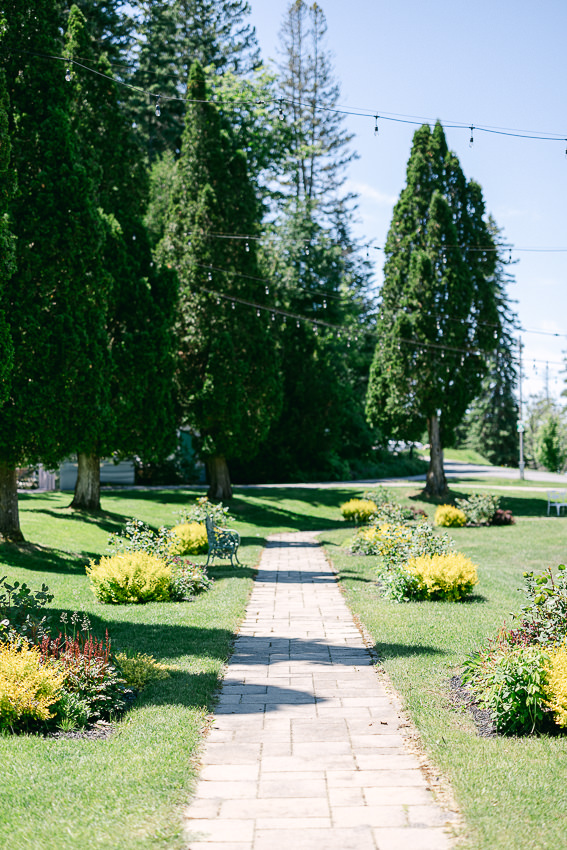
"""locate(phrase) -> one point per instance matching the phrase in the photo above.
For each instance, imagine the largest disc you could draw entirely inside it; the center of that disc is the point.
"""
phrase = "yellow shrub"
(359, 510)
(556, 685)
(189, 538)
(449, 517)
(130, 577)
(27, 687)
(140, 669)
(449, 576)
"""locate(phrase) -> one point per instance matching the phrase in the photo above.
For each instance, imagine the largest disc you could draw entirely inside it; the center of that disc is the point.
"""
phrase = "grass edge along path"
(511, 791)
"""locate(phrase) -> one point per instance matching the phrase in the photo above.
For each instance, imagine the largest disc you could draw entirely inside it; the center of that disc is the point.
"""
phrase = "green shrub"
(139, 537)
(396, 544)
(204, 508)
(130, 577)
(512, 683)
(451, 576)
(359, 511)
(394, 514)
(543, 618)
(379, 495)
(139, 669)
(556, 685)
(22, 611)
(479, 508)
(188, 580)
(189, 539)
(72, 711)
(28, 687)
(447, 516)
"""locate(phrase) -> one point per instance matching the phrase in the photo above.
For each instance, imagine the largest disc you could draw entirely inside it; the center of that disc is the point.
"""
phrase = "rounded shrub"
(28, 688)
(556, 685)
(449, 576)
(359, 510)
(449, 517)
(189, 538)
(130, 577)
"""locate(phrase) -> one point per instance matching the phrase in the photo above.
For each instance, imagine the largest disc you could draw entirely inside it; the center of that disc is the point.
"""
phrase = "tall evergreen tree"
(490, 425)
(7, 244)
(439, 304)
(53, 300)
(319, 267)
(170, 37)
(229, 382)
(135, 414)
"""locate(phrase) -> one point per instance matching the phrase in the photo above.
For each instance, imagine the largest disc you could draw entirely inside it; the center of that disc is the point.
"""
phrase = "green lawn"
(512, 791)
(128, 791)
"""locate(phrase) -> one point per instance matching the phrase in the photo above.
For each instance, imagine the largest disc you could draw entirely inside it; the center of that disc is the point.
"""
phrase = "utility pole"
(520, 420)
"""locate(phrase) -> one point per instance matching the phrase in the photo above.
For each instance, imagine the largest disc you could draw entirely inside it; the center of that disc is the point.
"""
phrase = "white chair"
(556, 499)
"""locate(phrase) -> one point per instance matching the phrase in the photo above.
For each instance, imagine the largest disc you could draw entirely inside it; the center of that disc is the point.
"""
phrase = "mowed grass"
(128, 791)
(512, 791)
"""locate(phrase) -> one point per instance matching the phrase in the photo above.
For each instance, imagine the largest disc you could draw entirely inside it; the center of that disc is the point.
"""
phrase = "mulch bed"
(462, 697)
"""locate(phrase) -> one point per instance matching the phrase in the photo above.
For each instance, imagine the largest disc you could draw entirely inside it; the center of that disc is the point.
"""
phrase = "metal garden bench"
(223, 542)
(556, 499)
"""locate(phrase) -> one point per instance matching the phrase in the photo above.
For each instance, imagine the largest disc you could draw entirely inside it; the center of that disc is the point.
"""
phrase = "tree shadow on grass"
(33, 556)
(105, 520)
(387, 651)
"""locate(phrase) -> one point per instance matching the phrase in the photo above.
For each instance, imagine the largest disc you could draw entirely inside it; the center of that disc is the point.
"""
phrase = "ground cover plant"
(511, 790)
(150, 761)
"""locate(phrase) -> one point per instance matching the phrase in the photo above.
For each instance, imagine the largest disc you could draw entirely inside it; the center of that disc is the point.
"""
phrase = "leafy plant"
(359, 511)
(139, 669)
(133, 576)
(188, 580)
(379, 496)
(28, 687)
(204, 508)
(21, 611)
(392, 512)
(502, 518)
(543, 618)
(512, 683)
(448, 516)
(451, 576)
(190, 538)
(479, 508)
(89, 672)
(556, 685)
(139, 537)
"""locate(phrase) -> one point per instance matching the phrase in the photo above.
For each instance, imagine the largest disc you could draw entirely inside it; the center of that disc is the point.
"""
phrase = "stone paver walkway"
(306, 750)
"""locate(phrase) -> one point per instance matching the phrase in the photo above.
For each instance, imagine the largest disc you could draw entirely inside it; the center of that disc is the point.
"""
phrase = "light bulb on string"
(258, 313)
(233, 306)
(68, 75)
(158, 107)
(281, 114)
(273, 317)
(247, 247)
(267, 289)
(218, 300)
(210, 276)
(315, 330)
(510, 251)
(471, 140)
(376, 128)
(297, 323)
(324, 303)
(307, 249)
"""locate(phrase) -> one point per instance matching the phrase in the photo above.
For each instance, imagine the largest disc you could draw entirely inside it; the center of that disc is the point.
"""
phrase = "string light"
(68, 75)
(361, 113)
(376, 128)
(471, 140)
(158, 108)
(247, 247)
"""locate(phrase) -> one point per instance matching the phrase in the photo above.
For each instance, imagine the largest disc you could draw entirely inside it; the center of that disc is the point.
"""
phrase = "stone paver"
(307, 749)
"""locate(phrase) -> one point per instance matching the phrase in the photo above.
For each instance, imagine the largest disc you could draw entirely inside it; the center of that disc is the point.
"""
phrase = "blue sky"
(499, 64)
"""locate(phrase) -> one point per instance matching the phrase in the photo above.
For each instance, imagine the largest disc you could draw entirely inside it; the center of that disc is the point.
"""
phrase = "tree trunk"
(87, 488)
(436, 483)
(220, 487)
(9, 515)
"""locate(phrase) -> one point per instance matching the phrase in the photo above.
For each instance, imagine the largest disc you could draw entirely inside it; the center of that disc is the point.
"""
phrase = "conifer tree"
(229, 382)
(7, 245)
(55, 297)
(319, 266)
(439, 317)
(170, 37)
(135, 415)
